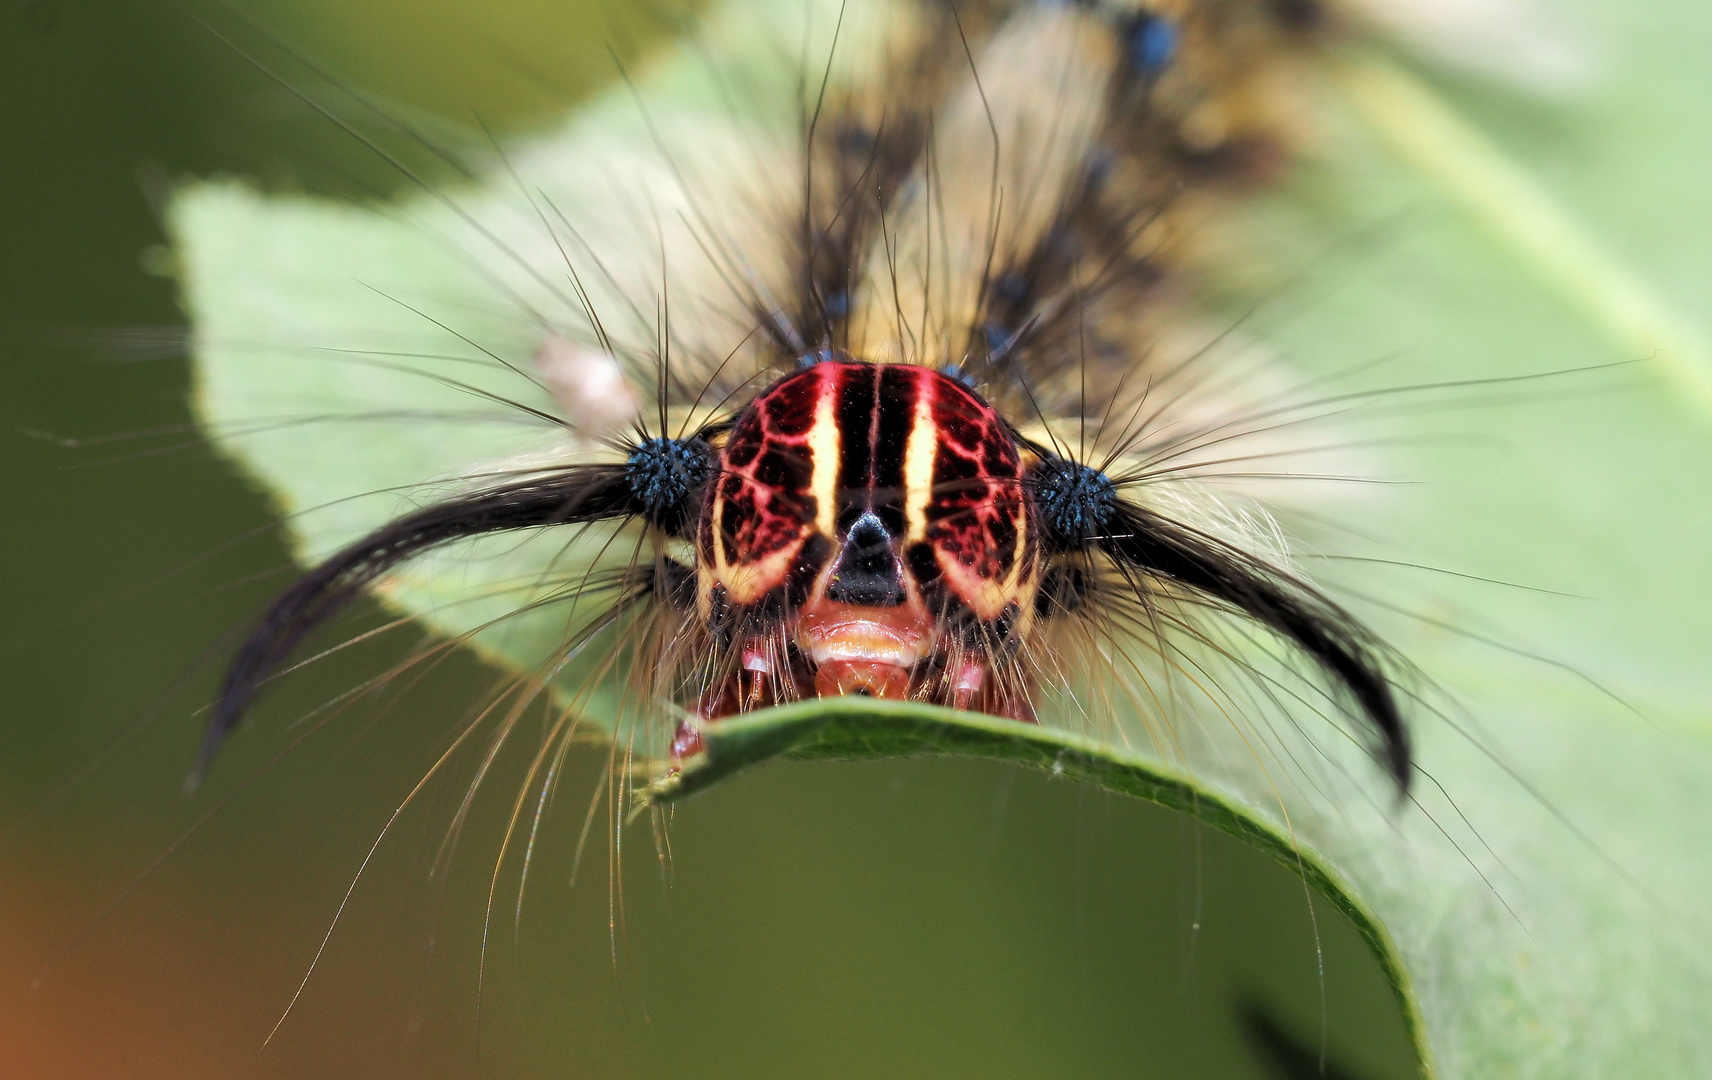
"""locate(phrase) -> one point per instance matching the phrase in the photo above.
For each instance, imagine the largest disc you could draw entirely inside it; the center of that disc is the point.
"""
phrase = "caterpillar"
(913, 433)
(481, 405)
(664, 413)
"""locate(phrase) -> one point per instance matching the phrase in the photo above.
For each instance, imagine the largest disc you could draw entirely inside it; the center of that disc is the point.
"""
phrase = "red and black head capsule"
(867, 532)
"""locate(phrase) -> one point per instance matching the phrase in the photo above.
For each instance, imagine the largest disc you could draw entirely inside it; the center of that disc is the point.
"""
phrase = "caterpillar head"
(868, 532)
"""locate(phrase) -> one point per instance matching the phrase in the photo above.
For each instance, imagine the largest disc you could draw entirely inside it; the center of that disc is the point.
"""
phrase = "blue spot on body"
(1152, 44)
(1100, 163)
(664, 473)
(1076, 502)
(956, 374)
(1011, 287)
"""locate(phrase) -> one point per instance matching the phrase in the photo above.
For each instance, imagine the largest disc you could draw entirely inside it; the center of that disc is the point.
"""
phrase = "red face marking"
(976, 514)
(762, 503)
(868, 533)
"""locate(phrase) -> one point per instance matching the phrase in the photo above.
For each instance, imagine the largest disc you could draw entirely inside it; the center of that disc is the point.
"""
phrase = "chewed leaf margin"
(858, 728)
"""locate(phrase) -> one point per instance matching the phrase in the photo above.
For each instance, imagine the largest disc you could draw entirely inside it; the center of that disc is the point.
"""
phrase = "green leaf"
(866, 729)
(1540, 910)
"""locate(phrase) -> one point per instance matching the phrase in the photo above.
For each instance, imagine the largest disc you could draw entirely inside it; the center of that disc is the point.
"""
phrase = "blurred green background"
(906, 919)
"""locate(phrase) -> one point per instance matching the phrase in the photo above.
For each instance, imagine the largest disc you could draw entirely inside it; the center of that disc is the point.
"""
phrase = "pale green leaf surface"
(1550, 919)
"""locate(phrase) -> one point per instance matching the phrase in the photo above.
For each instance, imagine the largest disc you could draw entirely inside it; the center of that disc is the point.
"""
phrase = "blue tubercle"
(815, 356)
(664, 473)
(1152, 44)
(956, 374)
(1076, 502)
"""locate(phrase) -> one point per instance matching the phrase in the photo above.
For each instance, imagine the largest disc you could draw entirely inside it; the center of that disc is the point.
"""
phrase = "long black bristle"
(1291, 608)
(580, 494)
